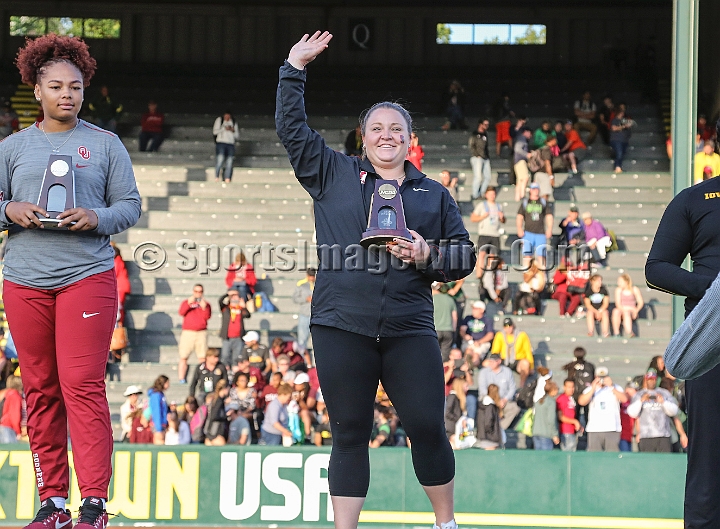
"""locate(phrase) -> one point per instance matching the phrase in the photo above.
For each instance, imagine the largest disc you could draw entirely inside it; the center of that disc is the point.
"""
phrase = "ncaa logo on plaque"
(387, 191)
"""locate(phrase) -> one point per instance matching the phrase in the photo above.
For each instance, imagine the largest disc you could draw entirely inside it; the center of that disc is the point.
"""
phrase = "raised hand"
(307, 48)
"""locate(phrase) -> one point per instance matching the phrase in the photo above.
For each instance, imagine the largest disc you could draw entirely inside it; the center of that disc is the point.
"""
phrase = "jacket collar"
(411, 172)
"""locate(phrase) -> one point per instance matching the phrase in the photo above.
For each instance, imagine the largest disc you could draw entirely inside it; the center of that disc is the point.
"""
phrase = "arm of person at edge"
(672, 243)
(123, 204)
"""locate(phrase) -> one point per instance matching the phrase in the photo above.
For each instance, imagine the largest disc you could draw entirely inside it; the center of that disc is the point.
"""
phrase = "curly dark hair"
(51, 48)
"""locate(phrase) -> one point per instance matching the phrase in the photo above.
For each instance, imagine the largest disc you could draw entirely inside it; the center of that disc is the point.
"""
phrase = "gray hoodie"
(654, 417)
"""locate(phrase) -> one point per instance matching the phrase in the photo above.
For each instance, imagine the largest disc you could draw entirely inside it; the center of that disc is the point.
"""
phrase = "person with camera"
(233, 311)
(196, 312)
(654, 408)
(495, 372)
(226, 132)
(603, 399)
(620, 130)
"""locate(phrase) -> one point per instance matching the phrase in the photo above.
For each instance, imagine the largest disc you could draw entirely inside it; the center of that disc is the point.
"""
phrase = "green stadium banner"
(260, 486)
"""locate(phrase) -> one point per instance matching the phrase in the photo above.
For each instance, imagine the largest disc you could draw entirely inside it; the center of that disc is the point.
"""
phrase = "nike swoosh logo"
(81, 166)
(59, 525)
(86, 315)
(420, 189)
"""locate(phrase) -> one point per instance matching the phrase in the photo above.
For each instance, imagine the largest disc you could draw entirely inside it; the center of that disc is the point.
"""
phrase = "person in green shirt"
(542, 134)
(446, 317)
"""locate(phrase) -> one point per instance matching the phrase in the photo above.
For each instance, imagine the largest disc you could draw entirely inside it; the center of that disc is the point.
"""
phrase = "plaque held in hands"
(387, 218)
(57, 192)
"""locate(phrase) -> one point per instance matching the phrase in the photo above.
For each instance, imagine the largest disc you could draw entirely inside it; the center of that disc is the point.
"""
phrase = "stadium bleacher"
(264, 203)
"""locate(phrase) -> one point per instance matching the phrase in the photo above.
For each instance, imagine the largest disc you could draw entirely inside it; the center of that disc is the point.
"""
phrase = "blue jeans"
(471, 400)
(481, 176)
(568, 442)
(224, 155)
(7, 436)
(542, 443)
(150, 141)
(270, 439)
(110, 124)
(231, 349)
(619, 148)
(242, 289)
(625, 446)
(303, 332)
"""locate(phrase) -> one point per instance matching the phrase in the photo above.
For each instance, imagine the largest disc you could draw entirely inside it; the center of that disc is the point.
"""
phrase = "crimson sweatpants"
(62, 338)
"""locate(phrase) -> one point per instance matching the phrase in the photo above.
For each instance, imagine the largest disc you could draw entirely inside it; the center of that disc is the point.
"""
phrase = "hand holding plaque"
(57, 193)
(387, 217)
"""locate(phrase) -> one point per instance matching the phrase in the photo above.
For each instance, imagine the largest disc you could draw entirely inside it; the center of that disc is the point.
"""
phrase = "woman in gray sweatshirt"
(59, 288)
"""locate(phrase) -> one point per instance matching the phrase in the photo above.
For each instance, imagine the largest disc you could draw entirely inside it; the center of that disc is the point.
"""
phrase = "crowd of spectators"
(486, 406)
(265, 395)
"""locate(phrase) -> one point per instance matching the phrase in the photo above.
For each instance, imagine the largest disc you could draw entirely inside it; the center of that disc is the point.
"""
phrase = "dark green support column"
(684, 106)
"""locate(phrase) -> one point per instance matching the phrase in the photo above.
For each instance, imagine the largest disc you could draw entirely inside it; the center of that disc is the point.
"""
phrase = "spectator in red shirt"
(232, 311)
(269, 392)
(574, 149)
(415, 152)
(123, 282)
(141, 432)
(627, 423)
(196, 312)
(151, 129)
(241, 277)
(11, 420)
(706, 132)
(567, 417)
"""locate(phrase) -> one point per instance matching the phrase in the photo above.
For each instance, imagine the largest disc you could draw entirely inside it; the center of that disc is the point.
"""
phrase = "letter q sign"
(361, 33)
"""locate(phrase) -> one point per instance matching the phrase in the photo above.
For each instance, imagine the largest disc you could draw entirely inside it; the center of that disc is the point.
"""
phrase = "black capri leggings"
(349, 366)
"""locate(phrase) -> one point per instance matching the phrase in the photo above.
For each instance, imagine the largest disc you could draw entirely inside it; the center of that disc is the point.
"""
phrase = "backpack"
(525, 395)
(197, 424)
(535, 161)
(263, 303)
(614, 246)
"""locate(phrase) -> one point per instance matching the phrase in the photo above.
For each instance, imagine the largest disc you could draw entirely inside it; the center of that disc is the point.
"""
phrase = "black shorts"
(484, 240)
(513, 366)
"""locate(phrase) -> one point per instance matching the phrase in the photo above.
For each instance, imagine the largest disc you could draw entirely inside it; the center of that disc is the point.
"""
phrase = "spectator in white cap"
(306, 404)
(127, 410)
(604, 425)
(256, 353)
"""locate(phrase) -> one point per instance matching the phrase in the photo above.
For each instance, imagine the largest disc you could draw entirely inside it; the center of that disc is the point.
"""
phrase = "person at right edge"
(375, 324)
(690, 226)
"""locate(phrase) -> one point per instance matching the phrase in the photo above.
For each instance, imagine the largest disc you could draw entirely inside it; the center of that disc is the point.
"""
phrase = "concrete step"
(172, 282)
(614, 351)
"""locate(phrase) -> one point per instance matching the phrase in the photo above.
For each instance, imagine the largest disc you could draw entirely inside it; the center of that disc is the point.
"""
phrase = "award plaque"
(57, 192)
(387, 218)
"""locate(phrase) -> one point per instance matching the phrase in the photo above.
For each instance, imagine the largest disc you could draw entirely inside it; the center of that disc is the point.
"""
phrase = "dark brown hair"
(51, 48)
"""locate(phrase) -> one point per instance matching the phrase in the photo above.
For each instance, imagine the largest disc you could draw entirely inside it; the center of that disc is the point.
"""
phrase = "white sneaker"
(450, 525)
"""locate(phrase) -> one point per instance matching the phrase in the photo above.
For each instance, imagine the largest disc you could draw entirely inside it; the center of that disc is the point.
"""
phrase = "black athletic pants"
(702, 509)
(349, 367)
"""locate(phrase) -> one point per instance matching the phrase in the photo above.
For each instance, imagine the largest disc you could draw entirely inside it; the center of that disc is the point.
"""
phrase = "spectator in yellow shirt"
(707, 163)
(515, 349)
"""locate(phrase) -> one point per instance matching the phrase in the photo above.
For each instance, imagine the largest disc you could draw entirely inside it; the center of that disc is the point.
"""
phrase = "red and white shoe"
(92, 515)
(51, 517)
